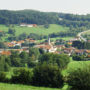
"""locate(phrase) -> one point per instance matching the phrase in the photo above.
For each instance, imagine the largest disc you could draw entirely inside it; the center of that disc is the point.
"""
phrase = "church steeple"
(49, 41)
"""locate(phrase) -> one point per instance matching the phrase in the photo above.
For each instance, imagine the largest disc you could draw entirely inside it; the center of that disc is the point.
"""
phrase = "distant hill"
(27, 16)
(40, 18)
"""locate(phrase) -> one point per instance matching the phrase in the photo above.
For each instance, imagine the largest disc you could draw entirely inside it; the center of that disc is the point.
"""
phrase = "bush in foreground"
(48, 76)
(2, 77)
(79, 79)
(22, 76)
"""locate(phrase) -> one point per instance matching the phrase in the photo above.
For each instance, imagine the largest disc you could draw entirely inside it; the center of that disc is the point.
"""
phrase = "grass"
(73, 65)
(64, 38)
(38, 30)
(54, 39)
(4, 28)
(4, 86)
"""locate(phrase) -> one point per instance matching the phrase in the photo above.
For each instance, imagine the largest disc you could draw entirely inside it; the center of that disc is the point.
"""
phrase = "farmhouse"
(28, 25)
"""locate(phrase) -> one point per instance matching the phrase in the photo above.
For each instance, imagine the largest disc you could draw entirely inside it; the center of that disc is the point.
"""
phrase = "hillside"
(39, 30)
(53, 28)
(40, 18)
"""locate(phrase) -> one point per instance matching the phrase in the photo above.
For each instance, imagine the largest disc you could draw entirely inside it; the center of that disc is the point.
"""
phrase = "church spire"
(49, 41)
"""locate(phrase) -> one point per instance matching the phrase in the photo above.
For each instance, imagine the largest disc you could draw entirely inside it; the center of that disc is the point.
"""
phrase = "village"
(48, 46)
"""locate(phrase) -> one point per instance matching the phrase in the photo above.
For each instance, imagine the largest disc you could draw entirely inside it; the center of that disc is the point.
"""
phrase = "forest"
(40, 18)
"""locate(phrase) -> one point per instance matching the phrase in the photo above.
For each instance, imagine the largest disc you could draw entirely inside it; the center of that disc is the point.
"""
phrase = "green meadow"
(4, 86)
(40, 30)
(73, 65)
(53, 28)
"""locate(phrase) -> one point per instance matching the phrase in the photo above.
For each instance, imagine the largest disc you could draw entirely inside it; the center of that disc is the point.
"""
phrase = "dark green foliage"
(48, 76)
(16, 62)
(22, 36)
(12, 38)
(44, 18)
(27, 16)
(15, 59)
(8, 60)
(24, 58)
(81, 45)
(79, 78)
(2, 77)
(2, 34)
(31, 62)
(75, 20)
(4, 65)
(37, 37)
(55, 59)
(24, 55)
(78, 57)
(63, 34)
(41, 51)
(34, 52)
(22, 76)
(11, 31)
(14, 54)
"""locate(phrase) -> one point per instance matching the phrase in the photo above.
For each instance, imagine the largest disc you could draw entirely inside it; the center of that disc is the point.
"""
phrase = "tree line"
(43, 18)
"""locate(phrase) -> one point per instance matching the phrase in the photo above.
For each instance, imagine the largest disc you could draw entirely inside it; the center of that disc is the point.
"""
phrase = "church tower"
(49, 41)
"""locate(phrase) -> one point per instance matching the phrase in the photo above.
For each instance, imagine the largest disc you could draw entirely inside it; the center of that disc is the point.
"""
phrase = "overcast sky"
(66, 6)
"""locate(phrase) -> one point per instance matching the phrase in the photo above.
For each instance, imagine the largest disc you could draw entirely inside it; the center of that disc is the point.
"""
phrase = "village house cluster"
(46, 46)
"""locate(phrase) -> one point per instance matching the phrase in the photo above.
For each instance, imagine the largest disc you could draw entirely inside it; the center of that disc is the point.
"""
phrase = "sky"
(65, 6)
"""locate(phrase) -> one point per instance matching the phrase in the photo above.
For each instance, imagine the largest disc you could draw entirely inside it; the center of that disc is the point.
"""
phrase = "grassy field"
(38, 30)
(4, 86)
(54, 39)
(73, 65)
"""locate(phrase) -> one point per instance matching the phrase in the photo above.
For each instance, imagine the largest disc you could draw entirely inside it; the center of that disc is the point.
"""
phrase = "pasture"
(4, 86)
(53, 28)
(73, 65)
(40, 30)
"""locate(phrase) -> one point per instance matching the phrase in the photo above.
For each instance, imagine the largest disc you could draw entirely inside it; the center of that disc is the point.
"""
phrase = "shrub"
(79, 79)
(47, 75)
(22, 76)
(50, 58)
(2, 77)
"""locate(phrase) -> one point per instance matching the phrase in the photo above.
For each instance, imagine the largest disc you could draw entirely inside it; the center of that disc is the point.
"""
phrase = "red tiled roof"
(44, 46)
(5, 53)
(87, 51)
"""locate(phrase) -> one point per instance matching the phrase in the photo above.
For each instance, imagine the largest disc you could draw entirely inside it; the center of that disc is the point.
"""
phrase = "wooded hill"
(37, 17)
